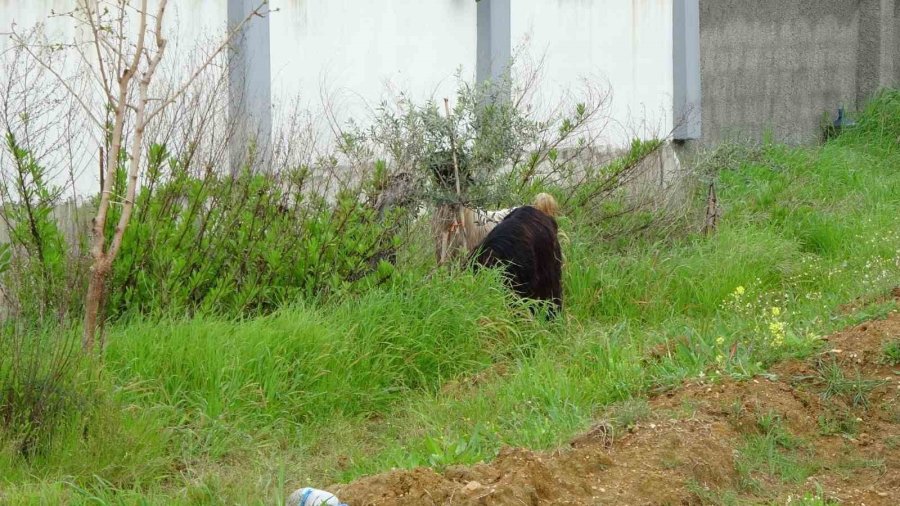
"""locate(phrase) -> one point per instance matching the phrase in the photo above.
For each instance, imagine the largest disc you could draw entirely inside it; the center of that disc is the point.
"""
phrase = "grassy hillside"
(443, 369)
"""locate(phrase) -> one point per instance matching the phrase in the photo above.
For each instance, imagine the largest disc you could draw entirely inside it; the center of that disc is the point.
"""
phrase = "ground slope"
(826, 428)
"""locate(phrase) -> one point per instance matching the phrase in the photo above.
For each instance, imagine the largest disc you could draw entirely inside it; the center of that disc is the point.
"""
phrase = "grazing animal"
(526, 246)
(452, 235)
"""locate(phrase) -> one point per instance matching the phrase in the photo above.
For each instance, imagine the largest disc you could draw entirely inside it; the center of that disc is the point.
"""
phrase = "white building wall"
(358, 50)
(625, 44)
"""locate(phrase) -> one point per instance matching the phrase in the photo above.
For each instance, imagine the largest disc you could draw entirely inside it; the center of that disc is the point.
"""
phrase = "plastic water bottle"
(313, 497)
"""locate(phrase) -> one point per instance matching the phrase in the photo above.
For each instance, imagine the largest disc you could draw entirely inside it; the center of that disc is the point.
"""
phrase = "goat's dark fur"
(525, 244)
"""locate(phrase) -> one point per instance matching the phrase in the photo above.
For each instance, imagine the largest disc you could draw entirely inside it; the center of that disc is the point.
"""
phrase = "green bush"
(241, 245)
(37, 269)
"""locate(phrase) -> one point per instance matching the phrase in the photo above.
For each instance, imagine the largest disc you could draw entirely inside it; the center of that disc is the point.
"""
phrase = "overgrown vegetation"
(241, 245)
(332, 377)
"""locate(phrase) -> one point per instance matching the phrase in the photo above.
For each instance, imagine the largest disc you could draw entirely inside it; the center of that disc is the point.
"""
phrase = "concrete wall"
(778, 65)
(875, 57)
(358, 52)
(775, 65)
(765, 65)
(897, 42)
(362, 51)
(626, 45)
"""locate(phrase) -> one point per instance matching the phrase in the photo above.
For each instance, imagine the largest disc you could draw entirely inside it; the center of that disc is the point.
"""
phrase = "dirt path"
(827, 426)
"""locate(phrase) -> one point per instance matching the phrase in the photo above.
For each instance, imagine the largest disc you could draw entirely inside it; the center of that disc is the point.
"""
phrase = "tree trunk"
(92, 303)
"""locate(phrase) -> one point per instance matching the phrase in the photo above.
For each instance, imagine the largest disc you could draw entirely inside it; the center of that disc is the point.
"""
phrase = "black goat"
(525, 244)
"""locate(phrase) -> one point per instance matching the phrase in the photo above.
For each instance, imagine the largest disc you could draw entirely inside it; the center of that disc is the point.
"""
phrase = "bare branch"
(20, 41)
(203, 66)
(95, 32)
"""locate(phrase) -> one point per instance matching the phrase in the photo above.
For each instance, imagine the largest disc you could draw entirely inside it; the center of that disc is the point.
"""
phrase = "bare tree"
(124, 63)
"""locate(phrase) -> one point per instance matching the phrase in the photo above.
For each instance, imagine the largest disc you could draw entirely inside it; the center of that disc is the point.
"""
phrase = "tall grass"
(446, 369)
(304, 363)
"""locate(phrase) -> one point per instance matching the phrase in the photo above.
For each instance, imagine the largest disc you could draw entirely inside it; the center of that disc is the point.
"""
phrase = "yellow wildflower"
(720, 340)
(776, 311)
(739, 290)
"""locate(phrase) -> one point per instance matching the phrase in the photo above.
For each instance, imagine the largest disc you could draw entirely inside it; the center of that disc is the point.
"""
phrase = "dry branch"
(712, 211)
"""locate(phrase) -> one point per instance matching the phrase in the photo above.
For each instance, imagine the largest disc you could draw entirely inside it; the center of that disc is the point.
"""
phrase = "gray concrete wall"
(875, 55)
(897, 42)
(777, 65)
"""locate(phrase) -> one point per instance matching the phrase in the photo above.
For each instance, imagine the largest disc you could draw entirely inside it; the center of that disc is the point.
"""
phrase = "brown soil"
(868, 300)
(688, 451)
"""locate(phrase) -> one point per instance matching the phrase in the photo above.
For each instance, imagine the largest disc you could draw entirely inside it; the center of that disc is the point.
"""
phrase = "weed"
(710, 496)
(838, 422)
(892, 442)
(817, 498)
(444, 453)
(890, 354)
(772, 426)
(630, 412)
(671, 461)
(736, 409)
(773, 453)
(38, 384)
(848, 464)
(688, 408)
(854, 390)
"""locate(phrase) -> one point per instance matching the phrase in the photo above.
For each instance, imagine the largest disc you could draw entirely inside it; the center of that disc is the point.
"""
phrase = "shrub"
(36, 264)
(243, 244)
(504, 152)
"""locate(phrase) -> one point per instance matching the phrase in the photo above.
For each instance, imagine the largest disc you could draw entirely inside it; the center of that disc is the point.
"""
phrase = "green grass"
(814, 499)
(854, 390)
(773, 452)
(891, 353)
(708, 496)
(846, 465)
(630, 412)
(838, 421)
(443, 370)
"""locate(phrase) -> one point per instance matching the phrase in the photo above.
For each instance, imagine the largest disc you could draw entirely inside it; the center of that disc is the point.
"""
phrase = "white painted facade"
(359, 52)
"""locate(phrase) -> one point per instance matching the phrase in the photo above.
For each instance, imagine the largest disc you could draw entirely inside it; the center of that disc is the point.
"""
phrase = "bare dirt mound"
(829, 425)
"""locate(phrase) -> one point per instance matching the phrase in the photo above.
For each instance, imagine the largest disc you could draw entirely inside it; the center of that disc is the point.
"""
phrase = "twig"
(77, 96)
(712, 211)
(199, 70)
(462, 221)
